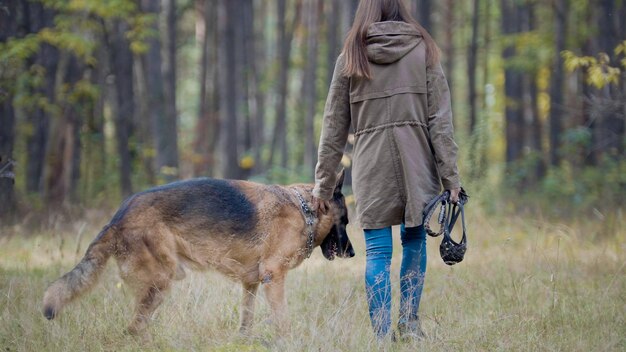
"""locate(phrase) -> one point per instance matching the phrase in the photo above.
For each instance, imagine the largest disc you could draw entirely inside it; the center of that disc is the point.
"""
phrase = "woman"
(389, 85)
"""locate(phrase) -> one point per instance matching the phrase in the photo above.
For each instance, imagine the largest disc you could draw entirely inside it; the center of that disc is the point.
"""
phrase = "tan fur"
(152, 252)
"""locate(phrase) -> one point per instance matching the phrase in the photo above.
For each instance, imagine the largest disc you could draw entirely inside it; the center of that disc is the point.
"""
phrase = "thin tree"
(121, 63)
(333, 17)
(309, 86)
(36, 17)
(448, 47)
(422, 10)
(533, 129)
(514, 128)
(8, 29)
(152, 81)
(611, 127)
(560, 8)
(472, 66)
(94, 149)
(207, 125)
(228, 92)
(255, 63)
(285, 36)
(64, 149)
(242, 84)
(167, 154)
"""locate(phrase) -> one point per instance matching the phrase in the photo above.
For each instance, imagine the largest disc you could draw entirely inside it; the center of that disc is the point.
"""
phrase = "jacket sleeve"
(440, 127)
(334, 135)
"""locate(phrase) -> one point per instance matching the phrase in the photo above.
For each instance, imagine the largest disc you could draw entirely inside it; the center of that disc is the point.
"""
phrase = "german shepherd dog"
(250, 232)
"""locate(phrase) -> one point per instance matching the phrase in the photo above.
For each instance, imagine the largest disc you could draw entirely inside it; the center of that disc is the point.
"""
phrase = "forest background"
(101, 99)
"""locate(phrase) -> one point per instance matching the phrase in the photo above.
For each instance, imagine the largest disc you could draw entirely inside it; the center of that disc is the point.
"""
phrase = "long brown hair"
(368, 12)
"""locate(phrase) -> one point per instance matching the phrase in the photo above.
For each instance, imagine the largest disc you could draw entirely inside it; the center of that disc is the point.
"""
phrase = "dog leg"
(247, 307)
(275, 294)
(146, 304)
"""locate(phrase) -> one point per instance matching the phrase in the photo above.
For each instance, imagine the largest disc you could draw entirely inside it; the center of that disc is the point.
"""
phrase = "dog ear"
(339, 183)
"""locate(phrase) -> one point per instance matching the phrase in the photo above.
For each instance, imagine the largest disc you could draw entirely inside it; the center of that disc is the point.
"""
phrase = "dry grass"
(525, 284)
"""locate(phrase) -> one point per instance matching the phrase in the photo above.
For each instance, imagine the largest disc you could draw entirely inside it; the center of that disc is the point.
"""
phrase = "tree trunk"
(8, 29)
(487, 47)
(309, 88)
(556, 81)
(167, 153)
(589, 48)
(122, 68)
(94, 150)
(242, 93)
(229, 137)
(422, 10)
(514, 127)
(202, 161)
(534, 128)
(284, 50)
(7, 140)
(472, 66)
(285, 36)
(611, 121)
(623, 87)
(254, 45)
(448, 48)
(354, 4)
(47, 57)
(536, 131)
(152, 81)
(63, 150)
(333, 13)
(347, 16)
(207, 125)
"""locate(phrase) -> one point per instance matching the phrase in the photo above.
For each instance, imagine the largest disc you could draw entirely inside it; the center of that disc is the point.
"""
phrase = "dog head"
(337, 242)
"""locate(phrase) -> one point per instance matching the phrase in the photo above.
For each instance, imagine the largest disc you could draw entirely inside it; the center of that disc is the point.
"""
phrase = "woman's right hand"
(320, 205)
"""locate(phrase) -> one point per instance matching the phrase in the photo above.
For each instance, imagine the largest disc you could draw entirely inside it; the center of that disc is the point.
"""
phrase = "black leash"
(451, 251)
(439, 201)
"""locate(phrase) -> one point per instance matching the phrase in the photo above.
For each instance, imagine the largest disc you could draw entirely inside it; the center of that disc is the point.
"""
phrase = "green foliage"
(575, 141)
(100, 8)
(523, 171)
(19, 49)
(141, 31)
(599, 71)
(26, 95)
(67, 40)
(83, 90)
(77, 26)
(533, 50)
(598, 186)
(573, 187)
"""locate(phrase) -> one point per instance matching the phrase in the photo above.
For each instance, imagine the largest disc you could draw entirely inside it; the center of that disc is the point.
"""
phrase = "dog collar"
(309, 219)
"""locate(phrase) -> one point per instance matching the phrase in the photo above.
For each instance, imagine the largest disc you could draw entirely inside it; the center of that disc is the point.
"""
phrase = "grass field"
(526, 284)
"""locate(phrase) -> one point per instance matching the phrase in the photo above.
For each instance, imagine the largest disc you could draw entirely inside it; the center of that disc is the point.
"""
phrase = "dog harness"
(309, 219)
(451, 251)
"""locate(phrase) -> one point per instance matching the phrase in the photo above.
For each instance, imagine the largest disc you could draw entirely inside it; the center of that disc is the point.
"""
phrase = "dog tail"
(83, 277)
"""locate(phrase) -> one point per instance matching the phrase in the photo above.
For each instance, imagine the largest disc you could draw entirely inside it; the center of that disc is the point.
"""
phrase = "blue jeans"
(379, 249)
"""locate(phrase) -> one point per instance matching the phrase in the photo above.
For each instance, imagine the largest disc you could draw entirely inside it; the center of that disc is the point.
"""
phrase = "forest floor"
(526, 285)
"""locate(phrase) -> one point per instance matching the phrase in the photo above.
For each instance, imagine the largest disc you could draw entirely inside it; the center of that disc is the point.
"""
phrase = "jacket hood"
(388, 42)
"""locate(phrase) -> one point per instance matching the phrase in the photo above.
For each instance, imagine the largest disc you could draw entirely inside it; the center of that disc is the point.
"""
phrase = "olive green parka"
(404, 148)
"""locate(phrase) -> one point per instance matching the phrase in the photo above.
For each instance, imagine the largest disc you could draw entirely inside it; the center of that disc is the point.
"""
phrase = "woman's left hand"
(454, 195)
(320, 205)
